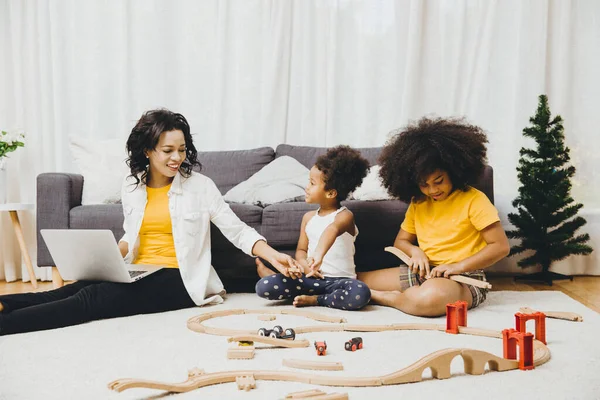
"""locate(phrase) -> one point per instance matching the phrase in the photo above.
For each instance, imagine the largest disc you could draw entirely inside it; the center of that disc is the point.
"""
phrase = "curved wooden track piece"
(439, 362)
(568, 316)
(458, 278)
(270, 340)
(196, 323)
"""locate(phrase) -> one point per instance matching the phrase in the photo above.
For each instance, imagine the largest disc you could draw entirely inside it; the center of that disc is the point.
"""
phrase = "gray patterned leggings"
(340, 293)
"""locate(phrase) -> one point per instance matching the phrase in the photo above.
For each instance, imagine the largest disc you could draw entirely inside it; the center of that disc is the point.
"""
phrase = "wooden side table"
(12, 208)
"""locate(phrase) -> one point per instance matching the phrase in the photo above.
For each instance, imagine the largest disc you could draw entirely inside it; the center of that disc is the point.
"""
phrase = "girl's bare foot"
(262, 269)
(387, 298)
(303, 301)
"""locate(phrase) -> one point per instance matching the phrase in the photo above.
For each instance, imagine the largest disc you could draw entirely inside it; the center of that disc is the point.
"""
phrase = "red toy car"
(321, 348)
(354, 344)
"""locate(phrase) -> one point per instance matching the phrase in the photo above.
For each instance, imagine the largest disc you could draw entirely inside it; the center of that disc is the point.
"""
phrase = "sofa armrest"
(57, 194)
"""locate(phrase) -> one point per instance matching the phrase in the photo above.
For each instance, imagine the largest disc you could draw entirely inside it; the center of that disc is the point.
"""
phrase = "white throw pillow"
(281, 180)
(372, 188)
(102, 164)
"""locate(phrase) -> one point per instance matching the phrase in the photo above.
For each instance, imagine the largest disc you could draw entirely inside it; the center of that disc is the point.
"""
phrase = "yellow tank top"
(156, 233)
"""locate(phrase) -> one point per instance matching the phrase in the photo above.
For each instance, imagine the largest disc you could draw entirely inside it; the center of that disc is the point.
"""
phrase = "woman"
(168, 210)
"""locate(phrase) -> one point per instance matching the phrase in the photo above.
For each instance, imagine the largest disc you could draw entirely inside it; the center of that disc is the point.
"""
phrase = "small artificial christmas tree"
(546, 219)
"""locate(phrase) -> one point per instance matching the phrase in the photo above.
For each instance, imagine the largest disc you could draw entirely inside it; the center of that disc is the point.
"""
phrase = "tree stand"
(544, 276)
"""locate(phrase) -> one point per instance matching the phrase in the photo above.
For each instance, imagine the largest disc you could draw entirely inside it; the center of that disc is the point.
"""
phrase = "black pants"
(84, 301)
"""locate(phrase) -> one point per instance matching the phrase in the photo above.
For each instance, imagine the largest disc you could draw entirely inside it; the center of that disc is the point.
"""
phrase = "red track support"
(456, 315)
(510, 339)
(540, 324)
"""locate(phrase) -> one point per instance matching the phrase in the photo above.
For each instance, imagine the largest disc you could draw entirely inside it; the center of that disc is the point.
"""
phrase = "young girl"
(432, 165)
(326, 245)
(168, 210)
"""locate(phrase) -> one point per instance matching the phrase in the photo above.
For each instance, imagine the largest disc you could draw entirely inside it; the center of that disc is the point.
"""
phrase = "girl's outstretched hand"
(286, 265)
(444, 271)
(419, 263)
(314, 264)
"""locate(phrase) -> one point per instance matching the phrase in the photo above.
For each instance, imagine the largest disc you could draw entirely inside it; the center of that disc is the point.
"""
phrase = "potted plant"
(9, 142)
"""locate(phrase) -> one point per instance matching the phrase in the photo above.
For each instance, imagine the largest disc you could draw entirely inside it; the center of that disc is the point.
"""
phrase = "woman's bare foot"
(303, 301)
(262, 269)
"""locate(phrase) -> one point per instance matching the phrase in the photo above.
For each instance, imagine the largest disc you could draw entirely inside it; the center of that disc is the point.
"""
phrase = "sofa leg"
(57, 280)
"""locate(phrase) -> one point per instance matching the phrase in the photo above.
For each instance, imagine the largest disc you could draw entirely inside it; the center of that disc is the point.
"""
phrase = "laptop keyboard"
(133, 274)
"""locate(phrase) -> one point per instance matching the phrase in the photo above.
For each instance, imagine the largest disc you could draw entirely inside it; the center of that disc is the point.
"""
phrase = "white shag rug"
(78, 362)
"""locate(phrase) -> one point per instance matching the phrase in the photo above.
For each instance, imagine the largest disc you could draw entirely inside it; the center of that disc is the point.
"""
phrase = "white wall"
(250, 73)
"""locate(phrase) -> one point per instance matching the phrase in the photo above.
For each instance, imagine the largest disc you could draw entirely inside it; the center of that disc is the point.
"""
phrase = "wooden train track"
(568, 316)
(439, 361)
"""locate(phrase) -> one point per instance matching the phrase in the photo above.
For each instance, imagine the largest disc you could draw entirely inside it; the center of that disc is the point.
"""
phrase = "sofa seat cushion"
(98, 216)
(249, 214)
(377, 221)
(281, 223)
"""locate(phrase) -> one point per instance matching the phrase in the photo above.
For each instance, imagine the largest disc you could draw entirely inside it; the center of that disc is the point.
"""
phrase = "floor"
(584, 289)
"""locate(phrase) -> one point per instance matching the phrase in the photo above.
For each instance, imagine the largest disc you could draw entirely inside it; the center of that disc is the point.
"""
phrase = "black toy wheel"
(290, 333)
(274, 334)
(262, 332)
(278, 329)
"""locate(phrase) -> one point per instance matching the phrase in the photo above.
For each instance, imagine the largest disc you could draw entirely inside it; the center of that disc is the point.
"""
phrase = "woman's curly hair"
(415, 152)
(343, 168)
(145, 135)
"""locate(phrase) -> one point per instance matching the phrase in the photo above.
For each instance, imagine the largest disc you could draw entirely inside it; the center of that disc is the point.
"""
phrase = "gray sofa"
(59, 206)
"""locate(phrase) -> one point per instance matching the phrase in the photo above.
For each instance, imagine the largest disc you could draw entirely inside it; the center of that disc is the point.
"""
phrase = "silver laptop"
(91, 255)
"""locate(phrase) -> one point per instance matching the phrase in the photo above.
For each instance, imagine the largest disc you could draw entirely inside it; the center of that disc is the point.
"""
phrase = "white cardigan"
(194, 203)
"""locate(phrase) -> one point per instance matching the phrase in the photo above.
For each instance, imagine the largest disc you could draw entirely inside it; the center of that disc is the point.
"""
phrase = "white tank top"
(339, 260)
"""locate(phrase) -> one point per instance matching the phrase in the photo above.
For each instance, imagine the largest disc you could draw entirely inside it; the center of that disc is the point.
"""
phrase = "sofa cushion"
(281, 223)
(371, 188)
(228, 168)
(283, 179)
(251, 215)
(98, 216)
(378, 222)
(307, 155)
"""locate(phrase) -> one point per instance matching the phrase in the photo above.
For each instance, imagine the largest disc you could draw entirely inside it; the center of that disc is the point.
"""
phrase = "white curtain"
(251, 73)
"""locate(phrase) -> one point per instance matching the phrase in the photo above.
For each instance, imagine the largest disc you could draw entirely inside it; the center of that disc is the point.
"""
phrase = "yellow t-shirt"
(448, 231)
(156, 233)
